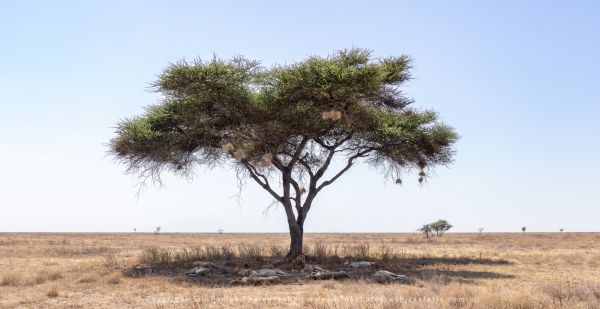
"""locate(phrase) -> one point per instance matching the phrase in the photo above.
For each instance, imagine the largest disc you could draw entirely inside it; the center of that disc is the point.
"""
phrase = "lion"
(299, 262)
(329, 275)
(256, 281)
(384, 276)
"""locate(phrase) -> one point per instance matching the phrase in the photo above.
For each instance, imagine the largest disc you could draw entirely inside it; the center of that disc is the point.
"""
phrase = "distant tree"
(561, 230)
(524, 229)
(157, 230)
(135, 230)
(283, 127)
(220, 231)
(425, 229)
(440, 227)
(480, 230)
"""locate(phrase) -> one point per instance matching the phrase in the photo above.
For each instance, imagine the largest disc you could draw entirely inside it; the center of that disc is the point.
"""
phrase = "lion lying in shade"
(256, 281)
(329, 275)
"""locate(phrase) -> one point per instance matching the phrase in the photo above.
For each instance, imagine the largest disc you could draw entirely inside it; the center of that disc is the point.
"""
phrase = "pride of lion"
(299, 269)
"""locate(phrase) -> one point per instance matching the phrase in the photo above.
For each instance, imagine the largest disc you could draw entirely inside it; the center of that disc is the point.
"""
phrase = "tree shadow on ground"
(422, 261)
(439, 270)
(448, 276)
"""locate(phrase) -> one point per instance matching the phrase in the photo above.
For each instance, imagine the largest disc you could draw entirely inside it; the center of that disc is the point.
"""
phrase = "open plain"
(457, 270)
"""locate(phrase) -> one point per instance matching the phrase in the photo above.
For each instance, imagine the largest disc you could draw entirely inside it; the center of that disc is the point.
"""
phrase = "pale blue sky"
(517, 79)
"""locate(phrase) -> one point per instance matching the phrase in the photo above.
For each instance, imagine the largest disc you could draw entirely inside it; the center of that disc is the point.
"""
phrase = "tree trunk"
(296, 240)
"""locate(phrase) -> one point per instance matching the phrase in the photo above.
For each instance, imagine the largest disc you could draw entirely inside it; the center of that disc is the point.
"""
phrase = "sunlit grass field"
(457, 270)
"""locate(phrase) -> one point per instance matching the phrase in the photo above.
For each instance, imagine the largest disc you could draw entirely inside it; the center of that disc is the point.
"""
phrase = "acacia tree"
(284, 126)
(425, 229)
(440, 227)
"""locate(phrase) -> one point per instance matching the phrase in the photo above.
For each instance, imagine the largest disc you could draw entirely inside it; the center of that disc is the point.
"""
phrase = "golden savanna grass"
(552, 270)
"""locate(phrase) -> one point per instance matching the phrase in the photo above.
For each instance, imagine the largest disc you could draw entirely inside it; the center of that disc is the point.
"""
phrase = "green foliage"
(425, 229)
(440, 227)
(278, 110)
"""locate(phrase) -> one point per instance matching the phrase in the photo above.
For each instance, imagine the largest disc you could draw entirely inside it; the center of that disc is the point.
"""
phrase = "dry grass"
(88, 278)
(454, 271)
(53, 292)
(43, 276)
(11, 279)
(111, 259)
(114, 278)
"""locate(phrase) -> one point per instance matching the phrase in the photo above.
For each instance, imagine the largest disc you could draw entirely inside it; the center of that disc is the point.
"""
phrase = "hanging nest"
(302, 191)
(331, 115)
(266, 161)
(398, 181)
(227, 148)
(422, 174)
(421, 179)
(239, 154)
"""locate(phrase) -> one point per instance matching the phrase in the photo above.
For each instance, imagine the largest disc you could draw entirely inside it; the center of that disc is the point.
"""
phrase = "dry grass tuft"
(248, 255)
(88, 278)
(111, 259)
(53, 292)
(276, 251)
(564, 293)
(156, 256)
(11, 279)
(321, 250)
(43, 275)
(53, 276)
(114, 278)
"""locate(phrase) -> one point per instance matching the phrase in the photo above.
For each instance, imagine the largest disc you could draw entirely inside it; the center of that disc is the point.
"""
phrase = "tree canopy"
(425, 229)
(286, 121)
(440, 226)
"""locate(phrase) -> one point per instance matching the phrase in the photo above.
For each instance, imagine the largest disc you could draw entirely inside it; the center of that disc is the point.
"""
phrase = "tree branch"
(298, 198)
(321, 143)
(306, 166)
(345, 169)
(332, 150)
(298, 152)
(278, 164)
(264, 183)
